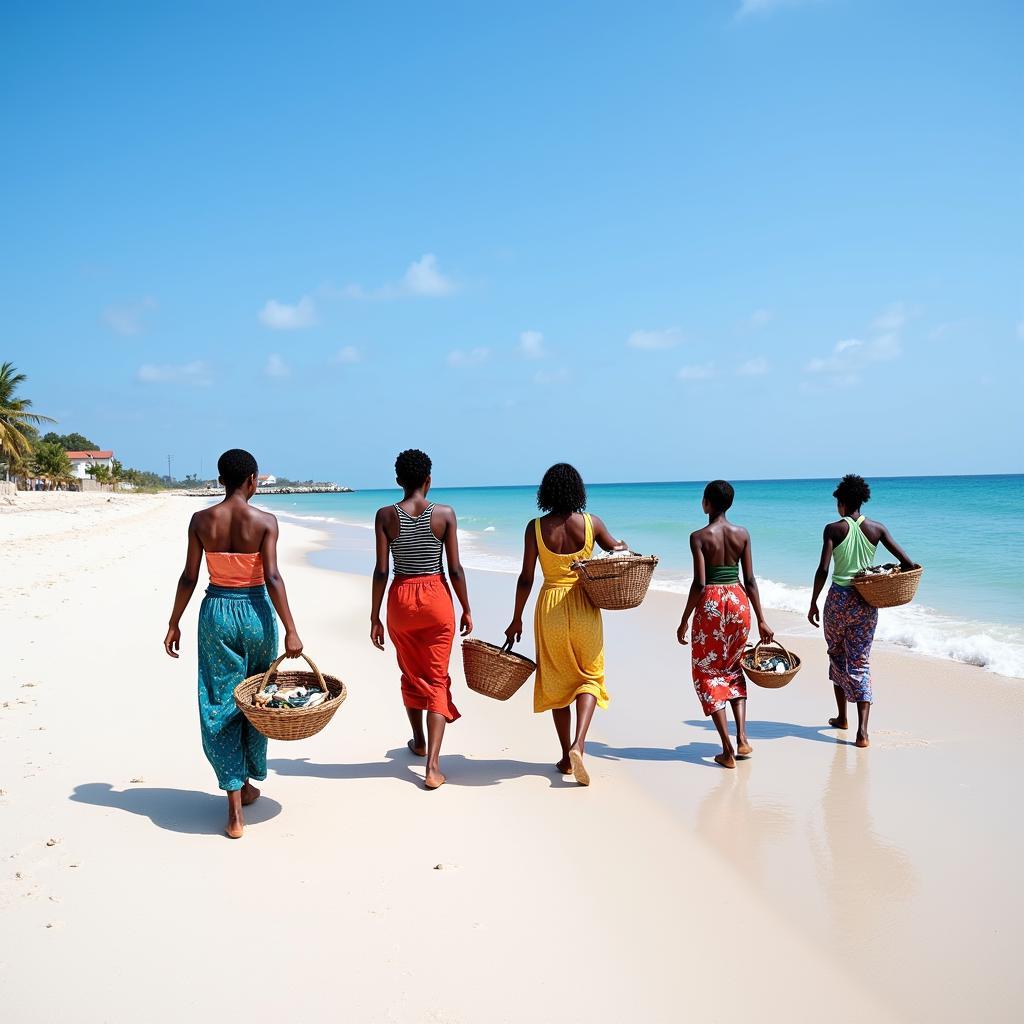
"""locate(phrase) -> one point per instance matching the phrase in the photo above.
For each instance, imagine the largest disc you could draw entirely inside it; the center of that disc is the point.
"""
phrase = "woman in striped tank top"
(421, 617)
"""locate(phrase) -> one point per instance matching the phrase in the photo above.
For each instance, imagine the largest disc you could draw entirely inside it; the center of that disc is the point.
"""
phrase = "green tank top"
(854, 553)
(721, 574)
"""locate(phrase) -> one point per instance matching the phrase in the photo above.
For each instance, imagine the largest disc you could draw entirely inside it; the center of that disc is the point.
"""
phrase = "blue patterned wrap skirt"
(237, 638)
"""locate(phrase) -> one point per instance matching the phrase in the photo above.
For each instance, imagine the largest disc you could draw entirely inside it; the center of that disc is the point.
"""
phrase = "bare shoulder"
(444, 510)
(266, 519)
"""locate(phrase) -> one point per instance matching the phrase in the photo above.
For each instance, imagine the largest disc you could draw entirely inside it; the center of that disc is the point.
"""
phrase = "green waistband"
(722, 574)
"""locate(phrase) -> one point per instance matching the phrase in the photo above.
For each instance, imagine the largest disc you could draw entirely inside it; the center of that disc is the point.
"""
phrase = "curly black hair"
(853, 491)
(412, 467)
(235, 466)
(719, 495)
(562, 490)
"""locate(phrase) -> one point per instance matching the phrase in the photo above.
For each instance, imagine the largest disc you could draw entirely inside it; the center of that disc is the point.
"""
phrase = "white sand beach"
(815, 880)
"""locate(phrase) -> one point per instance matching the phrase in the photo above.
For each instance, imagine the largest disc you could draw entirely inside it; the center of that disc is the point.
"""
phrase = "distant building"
(80, 461)
(266, 480)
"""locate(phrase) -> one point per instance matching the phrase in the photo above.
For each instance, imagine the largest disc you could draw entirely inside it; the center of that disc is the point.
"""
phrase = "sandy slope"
(667, 891)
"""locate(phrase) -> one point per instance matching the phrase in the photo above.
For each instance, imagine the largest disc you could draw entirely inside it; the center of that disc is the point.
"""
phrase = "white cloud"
(668, 337)
(473, 357)
(546, 377)
(279, 316)
(531, 344)
(851, 357)
(276, 366)
(699, 371)
(752, 7)
(347, 354)
(196, 372)
(760, 317)
(422, 278)
(128, 319)
(756, 367)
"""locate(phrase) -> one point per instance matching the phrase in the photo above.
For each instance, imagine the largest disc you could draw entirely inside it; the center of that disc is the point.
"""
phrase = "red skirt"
(421, 624)
(720, 629)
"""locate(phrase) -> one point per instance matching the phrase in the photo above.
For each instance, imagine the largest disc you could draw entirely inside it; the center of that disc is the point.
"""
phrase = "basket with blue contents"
(769, 668)
(290, 705)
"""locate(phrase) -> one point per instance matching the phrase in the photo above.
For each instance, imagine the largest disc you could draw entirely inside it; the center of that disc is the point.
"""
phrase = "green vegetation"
(17, 424)
(72, 442)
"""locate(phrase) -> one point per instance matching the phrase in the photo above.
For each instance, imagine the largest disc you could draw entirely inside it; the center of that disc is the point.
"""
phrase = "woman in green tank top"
(850, 544)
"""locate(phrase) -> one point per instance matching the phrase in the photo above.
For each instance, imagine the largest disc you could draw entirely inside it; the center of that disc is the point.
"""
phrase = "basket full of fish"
(769, 665)
(290, 705)
(887, 586)
(616, 581)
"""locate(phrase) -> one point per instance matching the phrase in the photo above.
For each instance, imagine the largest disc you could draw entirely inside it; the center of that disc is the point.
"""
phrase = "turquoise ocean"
(967, 531)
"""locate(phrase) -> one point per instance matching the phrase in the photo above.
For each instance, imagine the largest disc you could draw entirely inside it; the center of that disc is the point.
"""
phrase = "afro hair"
(719, 495)
(853, 491)
(235, 466)
(562, 490)
(412, 467)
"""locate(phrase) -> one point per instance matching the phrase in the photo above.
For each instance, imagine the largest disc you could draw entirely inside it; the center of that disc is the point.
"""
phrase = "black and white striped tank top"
(416, 551)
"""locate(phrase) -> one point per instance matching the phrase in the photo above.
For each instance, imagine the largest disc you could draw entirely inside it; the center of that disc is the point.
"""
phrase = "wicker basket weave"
(891, 590)
(758, 654)
(290, 723)
(492, 671)
(615, 584)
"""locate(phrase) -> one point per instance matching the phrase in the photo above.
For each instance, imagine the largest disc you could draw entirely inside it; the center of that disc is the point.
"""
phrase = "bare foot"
(234, 828)
(579, 769)
(744, 749)
(250, 794)
(838, 723)
(725, 760)
(862, 740)
(564, 766)
(434, 780)
(419, 751)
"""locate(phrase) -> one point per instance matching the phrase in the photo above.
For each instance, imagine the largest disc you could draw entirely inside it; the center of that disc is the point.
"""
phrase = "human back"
(232, 527)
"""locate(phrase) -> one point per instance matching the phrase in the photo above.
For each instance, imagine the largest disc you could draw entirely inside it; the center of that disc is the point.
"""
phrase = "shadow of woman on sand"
(460, 770)
(177, 810)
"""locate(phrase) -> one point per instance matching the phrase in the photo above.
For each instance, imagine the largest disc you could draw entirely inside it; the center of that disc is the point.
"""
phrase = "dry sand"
(814, 879)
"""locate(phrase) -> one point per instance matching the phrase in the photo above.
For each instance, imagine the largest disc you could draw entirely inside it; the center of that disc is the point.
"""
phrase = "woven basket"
(492, 671)
(615, 584)
(290, 723)
(889, 591)
(756, 655)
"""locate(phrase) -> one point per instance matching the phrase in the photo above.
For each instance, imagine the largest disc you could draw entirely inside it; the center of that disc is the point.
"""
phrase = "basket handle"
(308, 660)
(770, 643)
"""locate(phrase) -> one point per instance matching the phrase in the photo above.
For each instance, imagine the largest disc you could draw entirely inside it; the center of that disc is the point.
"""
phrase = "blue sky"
(747, 238)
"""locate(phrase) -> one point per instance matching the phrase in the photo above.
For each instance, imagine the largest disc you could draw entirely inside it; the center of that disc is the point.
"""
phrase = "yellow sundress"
(567, 630)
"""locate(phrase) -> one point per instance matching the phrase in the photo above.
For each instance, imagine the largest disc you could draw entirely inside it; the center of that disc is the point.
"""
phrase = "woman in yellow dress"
(567, 627)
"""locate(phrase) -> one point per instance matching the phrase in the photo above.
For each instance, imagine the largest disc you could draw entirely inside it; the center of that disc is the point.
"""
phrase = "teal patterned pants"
(237, 638)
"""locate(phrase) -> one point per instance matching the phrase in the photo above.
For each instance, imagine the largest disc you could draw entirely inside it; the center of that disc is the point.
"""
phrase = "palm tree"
(15, 440)
(53, 465)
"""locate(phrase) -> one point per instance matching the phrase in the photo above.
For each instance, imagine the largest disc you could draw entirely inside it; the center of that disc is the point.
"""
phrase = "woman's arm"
(455, 573)
(524, 585)
(696, 588)
(821, 576)
(603, 538)
(750, 586)
(186, 588)
(275, 587)
(380, 579)
(894, 549)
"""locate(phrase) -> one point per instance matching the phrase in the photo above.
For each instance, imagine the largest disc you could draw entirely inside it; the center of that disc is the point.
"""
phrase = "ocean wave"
(923, 630)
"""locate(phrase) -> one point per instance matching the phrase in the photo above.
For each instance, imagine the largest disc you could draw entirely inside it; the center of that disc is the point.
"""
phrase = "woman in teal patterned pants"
(237, 627)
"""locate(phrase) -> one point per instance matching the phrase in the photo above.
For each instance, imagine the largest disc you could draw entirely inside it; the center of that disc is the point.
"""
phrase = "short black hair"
(412, 467)
(853, 491)
(562, 490)
(719, 495)
(235, 466)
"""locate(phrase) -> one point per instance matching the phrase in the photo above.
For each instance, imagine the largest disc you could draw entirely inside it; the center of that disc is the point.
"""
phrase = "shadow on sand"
(782, 730)
(691, 753)
(460, 770)
(177, 810)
